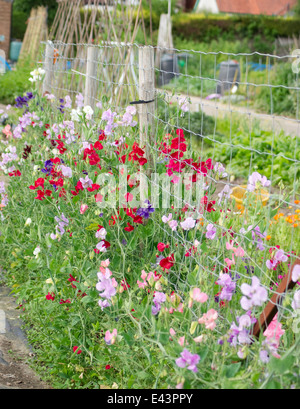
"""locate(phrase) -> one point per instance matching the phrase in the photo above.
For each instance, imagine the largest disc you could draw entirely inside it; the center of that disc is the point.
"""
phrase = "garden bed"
(141, 294)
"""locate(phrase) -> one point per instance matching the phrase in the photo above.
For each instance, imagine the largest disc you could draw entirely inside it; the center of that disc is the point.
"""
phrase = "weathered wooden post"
(49, 68)
(91, 83)
(271, 308)
(146, 112)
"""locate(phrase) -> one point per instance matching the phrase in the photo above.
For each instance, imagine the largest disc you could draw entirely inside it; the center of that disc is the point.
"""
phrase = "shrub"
(14, 83)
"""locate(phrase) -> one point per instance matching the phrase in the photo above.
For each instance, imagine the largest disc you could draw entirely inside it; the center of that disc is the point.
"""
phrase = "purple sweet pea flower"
(210, 231)
(145, 211)
(106, 286)
(228, 286)
(187, 358)
(159, 298)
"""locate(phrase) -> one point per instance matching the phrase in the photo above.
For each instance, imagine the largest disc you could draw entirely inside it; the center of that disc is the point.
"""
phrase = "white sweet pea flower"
(36, 251)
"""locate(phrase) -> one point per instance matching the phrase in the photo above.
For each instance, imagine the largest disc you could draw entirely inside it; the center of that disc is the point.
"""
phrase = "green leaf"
(231, 370)
(280, 366)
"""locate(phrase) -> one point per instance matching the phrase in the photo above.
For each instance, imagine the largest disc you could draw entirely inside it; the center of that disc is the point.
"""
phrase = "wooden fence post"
(146, 93)
(91, 83)
(146, 112)
(48, 67)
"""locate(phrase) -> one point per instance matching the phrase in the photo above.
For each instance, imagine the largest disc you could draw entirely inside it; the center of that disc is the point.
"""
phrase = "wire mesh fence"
(218, 126)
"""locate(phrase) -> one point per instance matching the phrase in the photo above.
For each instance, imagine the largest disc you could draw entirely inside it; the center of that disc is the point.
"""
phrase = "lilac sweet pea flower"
(210, 231)
(254, 295)
(256, 180)
(296, 301)
(66, 171)
(188, 359)
(228, 286)
(86, 182)
(79, 101)
(296, 273)
(188, 224)
(159, 298)
(224, 194)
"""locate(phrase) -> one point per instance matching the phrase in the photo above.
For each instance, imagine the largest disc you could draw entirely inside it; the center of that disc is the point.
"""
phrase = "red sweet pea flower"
(178, 144)
(98, 146)
(94, 187)
(15, 173)
(71, 279)
(68, 301)
(122, 159)
(162, 246)
(77, 350)
(208, 206)
(102, 136)
(94, 159)
(50, 296)
(167, 263)
(180, 133)
(37, 183)
(55, 160)
(124, 284)
(129, 228)
(142, 161)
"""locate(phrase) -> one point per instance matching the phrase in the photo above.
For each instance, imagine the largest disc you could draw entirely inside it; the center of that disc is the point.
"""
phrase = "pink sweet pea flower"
(198, 296)
(83, 208)
(239, 252)
(274, 331)
(209, 319)
(110, 337)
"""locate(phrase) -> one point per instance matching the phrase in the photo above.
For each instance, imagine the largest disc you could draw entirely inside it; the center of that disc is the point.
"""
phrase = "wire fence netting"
(219, 125)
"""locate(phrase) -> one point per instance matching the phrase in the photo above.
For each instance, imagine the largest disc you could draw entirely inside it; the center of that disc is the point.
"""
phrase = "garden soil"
(15, 353)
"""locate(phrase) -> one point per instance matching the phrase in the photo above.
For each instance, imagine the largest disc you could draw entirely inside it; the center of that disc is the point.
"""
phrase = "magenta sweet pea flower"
(188, 359)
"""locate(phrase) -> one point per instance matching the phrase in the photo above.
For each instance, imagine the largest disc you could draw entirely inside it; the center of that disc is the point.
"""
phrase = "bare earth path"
(15, 373)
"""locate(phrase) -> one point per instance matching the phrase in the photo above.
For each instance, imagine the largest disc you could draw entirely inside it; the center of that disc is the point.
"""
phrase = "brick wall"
(5, 24)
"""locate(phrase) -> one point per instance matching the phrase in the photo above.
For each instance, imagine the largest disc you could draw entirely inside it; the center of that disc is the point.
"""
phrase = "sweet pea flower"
(198, 296)
(228, 286)
(166, 219)
(256, 180)
(101, 247)
(188, 359)
(173, 224)
(274, 331)
(86, 182)
(210, 231)
(172, 332)
(296, 273)
(101, 234)
(110, 337)
(88, 112)
(188, 224)
(83, 208)
(254, 295)
(36, 251)
(28, 222)
(209, 319)
(296, 301)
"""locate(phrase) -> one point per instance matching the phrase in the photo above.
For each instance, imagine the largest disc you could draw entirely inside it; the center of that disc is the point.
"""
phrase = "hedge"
(208, 27)
(201, 27)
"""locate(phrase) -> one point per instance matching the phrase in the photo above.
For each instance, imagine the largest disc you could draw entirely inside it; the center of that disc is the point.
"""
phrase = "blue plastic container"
(15, 48)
